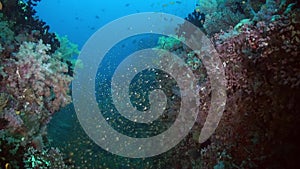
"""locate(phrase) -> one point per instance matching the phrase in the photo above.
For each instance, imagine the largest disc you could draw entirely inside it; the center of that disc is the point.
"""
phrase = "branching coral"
(43, 159)
(67, 53)
(67, 49)
(37, 79)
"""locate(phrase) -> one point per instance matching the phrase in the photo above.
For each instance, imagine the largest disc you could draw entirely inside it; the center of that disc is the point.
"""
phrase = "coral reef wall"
(258, 43)
(35, 75)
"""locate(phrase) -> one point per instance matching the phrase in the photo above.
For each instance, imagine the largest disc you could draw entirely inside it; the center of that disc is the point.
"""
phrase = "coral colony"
(258, 43)
(35, 79)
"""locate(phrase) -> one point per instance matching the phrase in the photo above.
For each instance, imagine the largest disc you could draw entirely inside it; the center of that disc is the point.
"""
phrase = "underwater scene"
(160, 84)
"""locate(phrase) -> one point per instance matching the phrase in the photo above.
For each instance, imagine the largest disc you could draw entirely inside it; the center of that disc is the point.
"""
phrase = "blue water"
(85, 152)
(142, 84)
(79, 20)
(257, 40)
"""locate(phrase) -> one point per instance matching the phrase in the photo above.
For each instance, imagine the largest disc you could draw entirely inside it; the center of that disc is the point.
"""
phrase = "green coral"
(45, 158)
(193, 61)
(243, 22)
(222, 20)
(36, 160)
(6, 34)
(67, 51)
(223, 14)
(208, 6)
(169, 42)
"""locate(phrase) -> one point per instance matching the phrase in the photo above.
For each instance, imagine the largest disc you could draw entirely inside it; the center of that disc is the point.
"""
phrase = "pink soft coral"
(40, 82)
